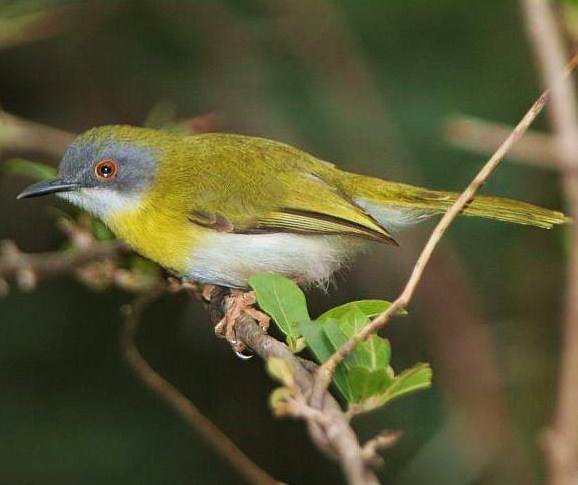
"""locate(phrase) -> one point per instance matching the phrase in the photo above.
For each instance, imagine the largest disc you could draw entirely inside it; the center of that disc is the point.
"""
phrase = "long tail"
(393, 204)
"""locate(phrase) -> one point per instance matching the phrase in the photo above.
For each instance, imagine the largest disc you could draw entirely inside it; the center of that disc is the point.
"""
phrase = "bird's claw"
(227, 332)
(239, 353)
(241, 303)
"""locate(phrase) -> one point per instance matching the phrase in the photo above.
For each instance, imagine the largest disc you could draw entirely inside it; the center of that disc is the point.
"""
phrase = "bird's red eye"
(105, 169)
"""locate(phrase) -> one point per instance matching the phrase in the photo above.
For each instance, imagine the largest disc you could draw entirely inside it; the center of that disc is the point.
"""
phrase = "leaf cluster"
(365, 378)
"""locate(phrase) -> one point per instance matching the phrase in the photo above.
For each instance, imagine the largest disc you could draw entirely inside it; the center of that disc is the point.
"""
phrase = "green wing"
(294, 221)
(271, 188)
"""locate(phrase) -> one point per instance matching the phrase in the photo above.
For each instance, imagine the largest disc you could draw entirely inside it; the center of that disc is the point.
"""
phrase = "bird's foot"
(241, 302)
(263, 320)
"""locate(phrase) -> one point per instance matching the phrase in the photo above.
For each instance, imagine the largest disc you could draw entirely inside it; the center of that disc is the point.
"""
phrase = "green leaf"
(411, 380)
(353, 321)
(282, 300)
(370, 308)
(322, 340)
(364, 378)
(316, 339)
(365, 383)
(369, 358)
(337, 338)
(34, 170)
(375, 352)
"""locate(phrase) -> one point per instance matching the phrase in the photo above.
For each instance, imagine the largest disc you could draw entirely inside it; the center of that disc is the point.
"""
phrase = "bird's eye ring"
(105, 169)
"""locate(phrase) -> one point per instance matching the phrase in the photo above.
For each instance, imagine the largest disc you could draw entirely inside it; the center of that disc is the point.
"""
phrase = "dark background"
(365, 84)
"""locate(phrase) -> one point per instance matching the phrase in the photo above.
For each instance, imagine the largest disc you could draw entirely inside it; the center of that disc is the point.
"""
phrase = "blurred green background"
(365, 84)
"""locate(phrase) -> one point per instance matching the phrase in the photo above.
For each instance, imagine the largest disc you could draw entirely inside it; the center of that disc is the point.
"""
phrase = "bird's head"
(106, 169)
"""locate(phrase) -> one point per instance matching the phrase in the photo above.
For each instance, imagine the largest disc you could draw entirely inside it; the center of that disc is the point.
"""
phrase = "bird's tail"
(393, 204)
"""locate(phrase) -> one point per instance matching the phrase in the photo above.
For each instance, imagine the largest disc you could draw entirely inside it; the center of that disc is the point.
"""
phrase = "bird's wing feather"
(272, 188)
(298, 219)
(306, 222)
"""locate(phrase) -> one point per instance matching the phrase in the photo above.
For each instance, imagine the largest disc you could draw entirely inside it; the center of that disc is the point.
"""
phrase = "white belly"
(230, 259)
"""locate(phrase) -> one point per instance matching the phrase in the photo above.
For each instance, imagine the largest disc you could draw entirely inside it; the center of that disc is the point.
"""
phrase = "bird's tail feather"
(393, 204)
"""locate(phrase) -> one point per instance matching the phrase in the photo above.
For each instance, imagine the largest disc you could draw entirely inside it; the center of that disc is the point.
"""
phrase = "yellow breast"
(163, 236)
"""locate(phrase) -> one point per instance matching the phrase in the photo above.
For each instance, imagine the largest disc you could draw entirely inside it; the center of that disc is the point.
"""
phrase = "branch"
(562, 439)
(484, 136)
(95, 263)
(325, 371)
(20, 135)
(332, 434)
(26, 268)
(186, 410)
(17, 134)
(20, 25)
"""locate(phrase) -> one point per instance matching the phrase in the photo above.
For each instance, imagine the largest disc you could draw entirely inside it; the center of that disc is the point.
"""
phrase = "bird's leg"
(241, 302)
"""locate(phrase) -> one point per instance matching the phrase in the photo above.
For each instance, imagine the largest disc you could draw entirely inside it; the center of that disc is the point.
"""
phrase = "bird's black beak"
(47, 187)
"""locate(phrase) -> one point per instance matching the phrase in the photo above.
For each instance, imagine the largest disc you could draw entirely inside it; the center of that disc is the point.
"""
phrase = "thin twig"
(325, 371)
(562, 439)
(188, 412)
(384, 440)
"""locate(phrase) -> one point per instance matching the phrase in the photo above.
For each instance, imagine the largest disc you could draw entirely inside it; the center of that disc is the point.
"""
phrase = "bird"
(217, 207)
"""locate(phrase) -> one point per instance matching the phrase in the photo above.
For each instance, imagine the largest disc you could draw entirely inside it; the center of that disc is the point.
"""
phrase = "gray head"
(106, 168)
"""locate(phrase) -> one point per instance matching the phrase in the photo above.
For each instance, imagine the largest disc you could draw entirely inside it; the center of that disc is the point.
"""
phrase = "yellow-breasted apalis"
(218, 208)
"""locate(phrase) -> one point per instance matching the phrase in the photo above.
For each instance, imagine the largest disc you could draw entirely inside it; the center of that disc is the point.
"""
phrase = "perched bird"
(218, 208)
